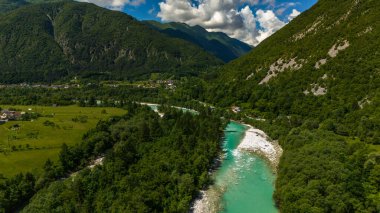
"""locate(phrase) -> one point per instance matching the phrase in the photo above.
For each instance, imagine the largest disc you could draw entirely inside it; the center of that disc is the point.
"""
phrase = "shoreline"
(255, 141)
(258, 142)
(162, 114)
(207, 198)
(207, 202)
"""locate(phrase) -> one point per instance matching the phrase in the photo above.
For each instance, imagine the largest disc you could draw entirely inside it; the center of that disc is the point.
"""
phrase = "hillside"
(48, 42)
(216, 43)
(313, 86)
(9, 5)
(317, 83)
(325, 48)
(327, 59)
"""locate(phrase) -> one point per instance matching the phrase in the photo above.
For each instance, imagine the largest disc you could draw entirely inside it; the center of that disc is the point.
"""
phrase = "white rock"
(333, 52)
(280, 66)
(320, 63)
(256, 140)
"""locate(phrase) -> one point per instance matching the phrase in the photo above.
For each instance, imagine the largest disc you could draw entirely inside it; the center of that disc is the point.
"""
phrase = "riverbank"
(207, 202)
(244, 181)
(154, 107)
(257, 141)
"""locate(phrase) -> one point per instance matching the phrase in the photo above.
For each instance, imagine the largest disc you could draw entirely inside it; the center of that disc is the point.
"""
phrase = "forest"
(151, 165)
(331, 140)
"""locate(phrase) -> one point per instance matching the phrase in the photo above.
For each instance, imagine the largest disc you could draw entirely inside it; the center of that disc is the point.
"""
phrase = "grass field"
(28, 147)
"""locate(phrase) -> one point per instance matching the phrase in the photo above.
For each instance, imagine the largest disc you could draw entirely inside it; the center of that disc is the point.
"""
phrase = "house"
(5, 114)
(10, 115)
(235, 109)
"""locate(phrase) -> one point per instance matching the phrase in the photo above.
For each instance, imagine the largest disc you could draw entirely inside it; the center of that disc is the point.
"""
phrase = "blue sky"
(141, 12)
(251, 21)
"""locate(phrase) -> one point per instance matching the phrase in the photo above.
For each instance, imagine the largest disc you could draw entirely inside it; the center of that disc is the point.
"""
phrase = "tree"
(65, 157)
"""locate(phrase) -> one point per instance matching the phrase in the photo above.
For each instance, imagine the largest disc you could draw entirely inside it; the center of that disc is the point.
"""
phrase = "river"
(244, 182)
(155, 107)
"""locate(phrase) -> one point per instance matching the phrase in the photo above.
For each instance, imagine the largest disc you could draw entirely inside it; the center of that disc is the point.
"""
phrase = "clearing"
(28, 146)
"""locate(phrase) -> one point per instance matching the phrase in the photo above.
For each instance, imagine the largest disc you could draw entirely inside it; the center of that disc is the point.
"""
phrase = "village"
(151, 84)
(46, 86)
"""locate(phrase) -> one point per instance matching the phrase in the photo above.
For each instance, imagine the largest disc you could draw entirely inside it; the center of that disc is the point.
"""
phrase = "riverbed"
(244, 182)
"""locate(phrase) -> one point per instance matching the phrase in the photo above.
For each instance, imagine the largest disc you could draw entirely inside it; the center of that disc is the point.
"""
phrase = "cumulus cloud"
(281, 8)
(115, 4)
(250, 2)
(294, 14)
(233, 17)
(270, 2)
(269, 24)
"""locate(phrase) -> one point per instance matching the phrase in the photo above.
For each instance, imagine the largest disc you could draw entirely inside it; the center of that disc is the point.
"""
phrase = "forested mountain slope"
(323, 64)
(9, 5)
(46, 42)
(326, 53)
(317, 84)
(216, 43)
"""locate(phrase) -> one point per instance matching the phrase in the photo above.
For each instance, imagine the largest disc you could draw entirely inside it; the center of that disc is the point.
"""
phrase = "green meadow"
(27, 147)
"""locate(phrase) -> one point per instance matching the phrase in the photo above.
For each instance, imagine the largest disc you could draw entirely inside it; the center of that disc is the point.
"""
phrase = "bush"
(80, 119)
(49, 123)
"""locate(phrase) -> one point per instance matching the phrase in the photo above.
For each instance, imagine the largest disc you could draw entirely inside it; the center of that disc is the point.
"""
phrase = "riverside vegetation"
(152, 165)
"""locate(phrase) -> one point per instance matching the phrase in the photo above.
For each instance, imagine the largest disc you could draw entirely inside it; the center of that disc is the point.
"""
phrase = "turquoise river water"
(245, 180)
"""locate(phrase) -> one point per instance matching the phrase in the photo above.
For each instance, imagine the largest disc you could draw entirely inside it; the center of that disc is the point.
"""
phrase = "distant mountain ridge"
(51, 41)
(9, 5)
(216, 43)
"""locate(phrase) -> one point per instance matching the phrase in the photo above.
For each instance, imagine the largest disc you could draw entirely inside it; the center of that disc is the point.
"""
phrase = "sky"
(250, 21)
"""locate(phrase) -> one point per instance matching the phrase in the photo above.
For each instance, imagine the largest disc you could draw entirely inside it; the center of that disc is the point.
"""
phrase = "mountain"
(48, 42)
(316, 82)
(323, 48)
(9, 5)
(216, 43)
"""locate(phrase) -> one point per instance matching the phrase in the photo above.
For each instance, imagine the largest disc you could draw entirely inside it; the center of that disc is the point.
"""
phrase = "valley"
(150, 115)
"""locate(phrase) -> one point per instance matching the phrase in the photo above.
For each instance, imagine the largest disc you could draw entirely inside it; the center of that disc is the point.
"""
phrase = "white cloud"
(233, 17)
(269, 24)
(151, 11)
(115, 4)
(250, 25)
(270, 2)
(281, 8)
(250, 2)
(294, 14)
(224, 16)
